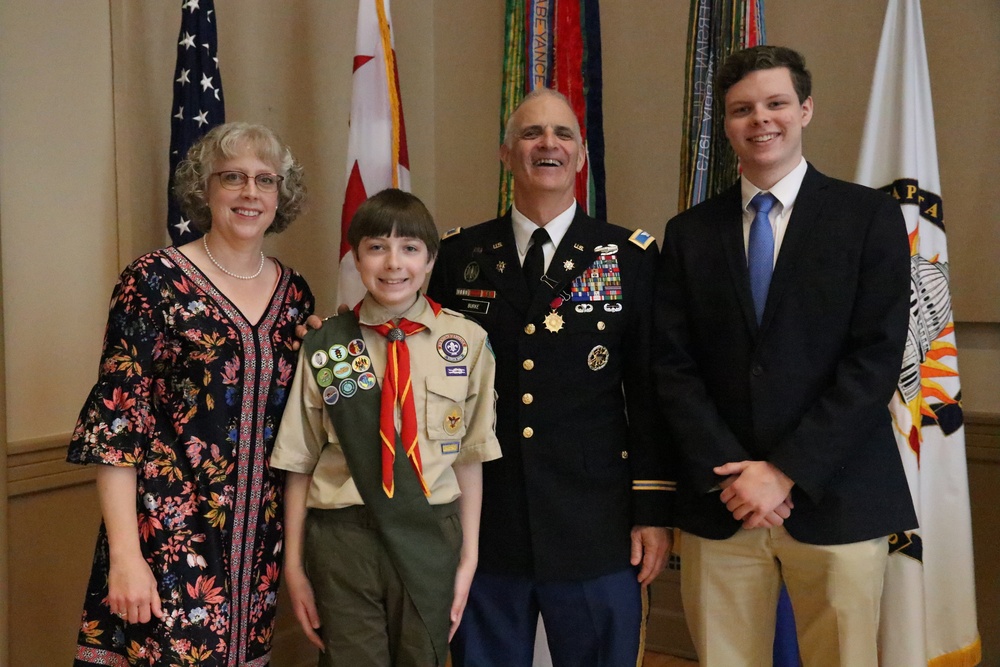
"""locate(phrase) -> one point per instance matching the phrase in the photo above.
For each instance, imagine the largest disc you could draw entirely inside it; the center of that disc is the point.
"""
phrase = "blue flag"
(198, 103)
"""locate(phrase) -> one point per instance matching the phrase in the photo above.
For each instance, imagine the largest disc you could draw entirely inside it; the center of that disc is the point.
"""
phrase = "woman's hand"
(132, 590)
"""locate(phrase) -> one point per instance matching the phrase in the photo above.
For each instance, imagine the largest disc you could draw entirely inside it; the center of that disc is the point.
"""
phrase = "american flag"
(198, 102)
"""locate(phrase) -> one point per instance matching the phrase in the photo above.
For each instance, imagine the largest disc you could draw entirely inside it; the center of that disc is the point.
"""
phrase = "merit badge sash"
(408, 526)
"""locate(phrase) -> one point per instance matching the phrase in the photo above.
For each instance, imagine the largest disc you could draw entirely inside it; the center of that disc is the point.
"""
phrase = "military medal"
(471, 272)
(598, 358)
(478, 293)
(553, 322)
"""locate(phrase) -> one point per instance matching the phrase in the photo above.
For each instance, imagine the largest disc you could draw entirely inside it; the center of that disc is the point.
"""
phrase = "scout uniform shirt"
(452, 370)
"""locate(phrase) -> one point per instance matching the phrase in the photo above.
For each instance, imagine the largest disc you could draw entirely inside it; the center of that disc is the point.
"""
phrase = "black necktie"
(534, 260)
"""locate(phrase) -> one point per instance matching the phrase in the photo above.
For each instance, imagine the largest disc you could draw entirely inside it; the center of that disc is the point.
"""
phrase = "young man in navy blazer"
(781, 314)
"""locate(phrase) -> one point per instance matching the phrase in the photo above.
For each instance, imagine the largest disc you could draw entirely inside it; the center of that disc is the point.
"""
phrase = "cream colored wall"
(85, 90)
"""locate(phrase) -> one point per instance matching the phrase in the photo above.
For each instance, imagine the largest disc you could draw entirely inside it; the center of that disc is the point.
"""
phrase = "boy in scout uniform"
(384, 484)
(574, 513)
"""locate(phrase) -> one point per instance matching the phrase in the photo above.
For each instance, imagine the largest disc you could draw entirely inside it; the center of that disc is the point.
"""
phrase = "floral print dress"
(190, 394)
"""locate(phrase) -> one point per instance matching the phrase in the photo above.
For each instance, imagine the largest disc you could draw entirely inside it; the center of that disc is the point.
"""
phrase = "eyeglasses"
(237, 180)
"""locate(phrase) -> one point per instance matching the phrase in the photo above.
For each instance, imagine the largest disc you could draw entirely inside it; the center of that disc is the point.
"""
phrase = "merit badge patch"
(324, 377)
(319, 359)
(342, 370)
(330, 395)
(361, 363)
(452, 347)
(598, 358)
(356, 347)
(366, 381)
(451, 447)
(348, 388)
(338, 352)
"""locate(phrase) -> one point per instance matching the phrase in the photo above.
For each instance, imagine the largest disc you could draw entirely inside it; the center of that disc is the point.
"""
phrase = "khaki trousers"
(730, 593)
(367, 617)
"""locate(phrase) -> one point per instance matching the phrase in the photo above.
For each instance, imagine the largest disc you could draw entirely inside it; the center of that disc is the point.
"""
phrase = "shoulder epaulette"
(446, 309)
(455, 231)
(641, 238)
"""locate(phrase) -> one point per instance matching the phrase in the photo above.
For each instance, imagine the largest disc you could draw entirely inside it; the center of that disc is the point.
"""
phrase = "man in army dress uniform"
(573, 514)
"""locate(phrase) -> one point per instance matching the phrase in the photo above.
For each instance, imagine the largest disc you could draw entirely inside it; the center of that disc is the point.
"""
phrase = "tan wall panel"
(840, 42)
(52, 537)
(983, 446)
(58, 204)
(468, 63)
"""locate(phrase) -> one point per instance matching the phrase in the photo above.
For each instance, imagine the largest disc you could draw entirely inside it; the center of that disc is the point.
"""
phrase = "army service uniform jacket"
(584, 457)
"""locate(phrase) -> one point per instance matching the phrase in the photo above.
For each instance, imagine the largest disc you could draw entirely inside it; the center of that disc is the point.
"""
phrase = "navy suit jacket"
(576, 408)
(808, 389)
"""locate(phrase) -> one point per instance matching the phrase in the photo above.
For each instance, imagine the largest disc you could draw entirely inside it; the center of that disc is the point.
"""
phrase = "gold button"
(527, 399)
(528, 432)
(527, 364)
(530, 329)
(624, 454)
(600, 326)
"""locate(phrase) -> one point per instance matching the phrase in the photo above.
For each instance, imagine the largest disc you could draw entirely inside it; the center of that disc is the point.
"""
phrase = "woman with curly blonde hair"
(198, 355)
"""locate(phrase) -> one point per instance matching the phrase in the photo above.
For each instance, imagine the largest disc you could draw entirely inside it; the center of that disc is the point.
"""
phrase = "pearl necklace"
(220, 267)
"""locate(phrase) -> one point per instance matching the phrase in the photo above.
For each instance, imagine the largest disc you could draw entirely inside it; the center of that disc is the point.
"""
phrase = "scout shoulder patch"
(641, 238)
(454, 231)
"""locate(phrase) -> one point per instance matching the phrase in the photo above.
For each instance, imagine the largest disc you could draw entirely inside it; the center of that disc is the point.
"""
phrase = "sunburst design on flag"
(929, 342)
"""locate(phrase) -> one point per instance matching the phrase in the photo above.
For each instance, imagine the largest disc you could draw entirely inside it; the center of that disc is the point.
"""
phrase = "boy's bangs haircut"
(393, 212)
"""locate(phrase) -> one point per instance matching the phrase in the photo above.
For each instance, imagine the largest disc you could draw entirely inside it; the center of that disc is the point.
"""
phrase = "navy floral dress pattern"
(190, 394)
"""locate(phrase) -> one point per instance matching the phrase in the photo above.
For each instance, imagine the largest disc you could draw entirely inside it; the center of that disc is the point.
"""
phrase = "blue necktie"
(760, 253)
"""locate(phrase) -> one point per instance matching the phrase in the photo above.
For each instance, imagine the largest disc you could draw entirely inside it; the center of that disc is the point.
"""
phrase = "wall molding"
(39, 464)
